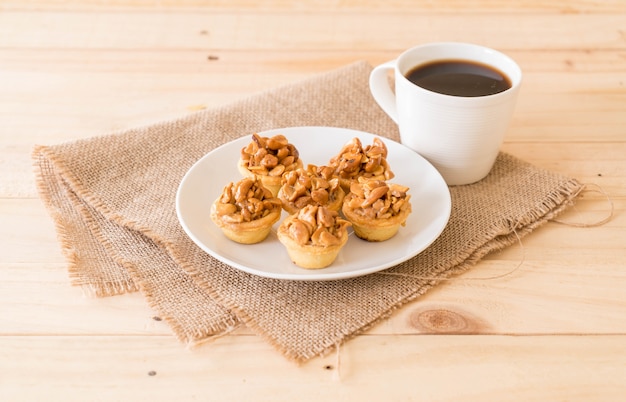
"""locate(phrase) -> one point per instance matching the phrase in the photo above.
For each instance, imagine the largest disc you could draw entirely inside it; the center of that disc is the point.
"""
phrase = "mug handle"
(381, 91)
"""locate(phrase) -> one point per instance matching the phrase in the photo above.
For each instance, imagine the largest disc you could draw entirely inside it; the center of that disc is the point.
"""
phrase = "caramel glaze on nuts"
(313, 186)
(355, 161)
(376, 199)
(318, 226)
(270, 156)
(245, 201)
(313, 236)
(376, 209)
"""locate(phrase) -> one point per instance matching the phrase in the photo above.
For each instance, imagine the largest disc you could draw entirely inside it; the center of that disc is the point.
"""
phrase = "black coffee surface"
(459, 78)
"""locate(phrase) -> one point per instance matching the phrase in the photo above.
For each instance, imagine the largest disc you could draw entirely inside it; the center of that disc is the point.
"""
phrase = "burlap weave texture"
(113, 200)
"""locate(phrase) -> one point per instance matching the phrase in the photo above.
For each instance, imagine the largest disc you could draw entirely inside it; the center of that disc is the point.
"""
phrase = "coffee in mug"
(459, 78)
(452, 102)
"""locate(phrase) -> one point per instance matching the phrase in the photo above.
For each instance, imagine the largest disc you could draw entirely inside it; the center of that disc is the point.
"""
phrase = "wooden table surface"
(553, 330)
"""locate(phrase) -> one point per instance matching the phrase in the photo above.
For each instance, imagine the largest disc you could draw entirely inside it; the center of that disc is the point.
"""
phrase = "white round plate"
(204, 182)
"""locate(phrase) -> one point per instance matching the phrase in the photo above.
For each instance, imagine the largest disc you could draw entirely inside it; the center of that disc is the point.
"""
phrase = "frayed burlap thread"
(112, 198)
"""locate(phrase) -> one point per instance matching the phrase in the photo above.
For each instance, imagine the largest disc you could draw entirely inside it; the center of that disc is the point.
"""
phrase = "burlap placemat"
(113, 201)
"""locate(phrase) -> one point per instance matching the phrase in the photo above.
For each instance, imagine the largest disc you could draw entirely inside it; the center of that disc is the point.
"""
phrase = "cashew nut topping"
(354, 182)
(376, 199)
(313, 186)
(354, 161)
(245, 201)
(318, 226)
(270, 156)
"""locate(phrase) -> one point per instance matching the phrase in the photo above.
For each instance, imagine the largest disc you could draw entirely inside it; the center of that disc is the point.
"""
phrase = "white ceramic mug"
(460, 135)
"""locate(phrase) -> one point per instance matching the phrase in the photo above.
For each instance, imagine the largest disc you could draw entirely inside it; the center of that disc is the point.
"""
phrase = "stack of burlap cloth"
(113, 201)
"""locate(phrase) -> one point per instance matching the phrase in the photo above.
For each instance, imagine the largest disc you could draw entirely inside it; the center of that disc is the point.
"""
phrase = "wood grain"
(480, 367)
(297, 31)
